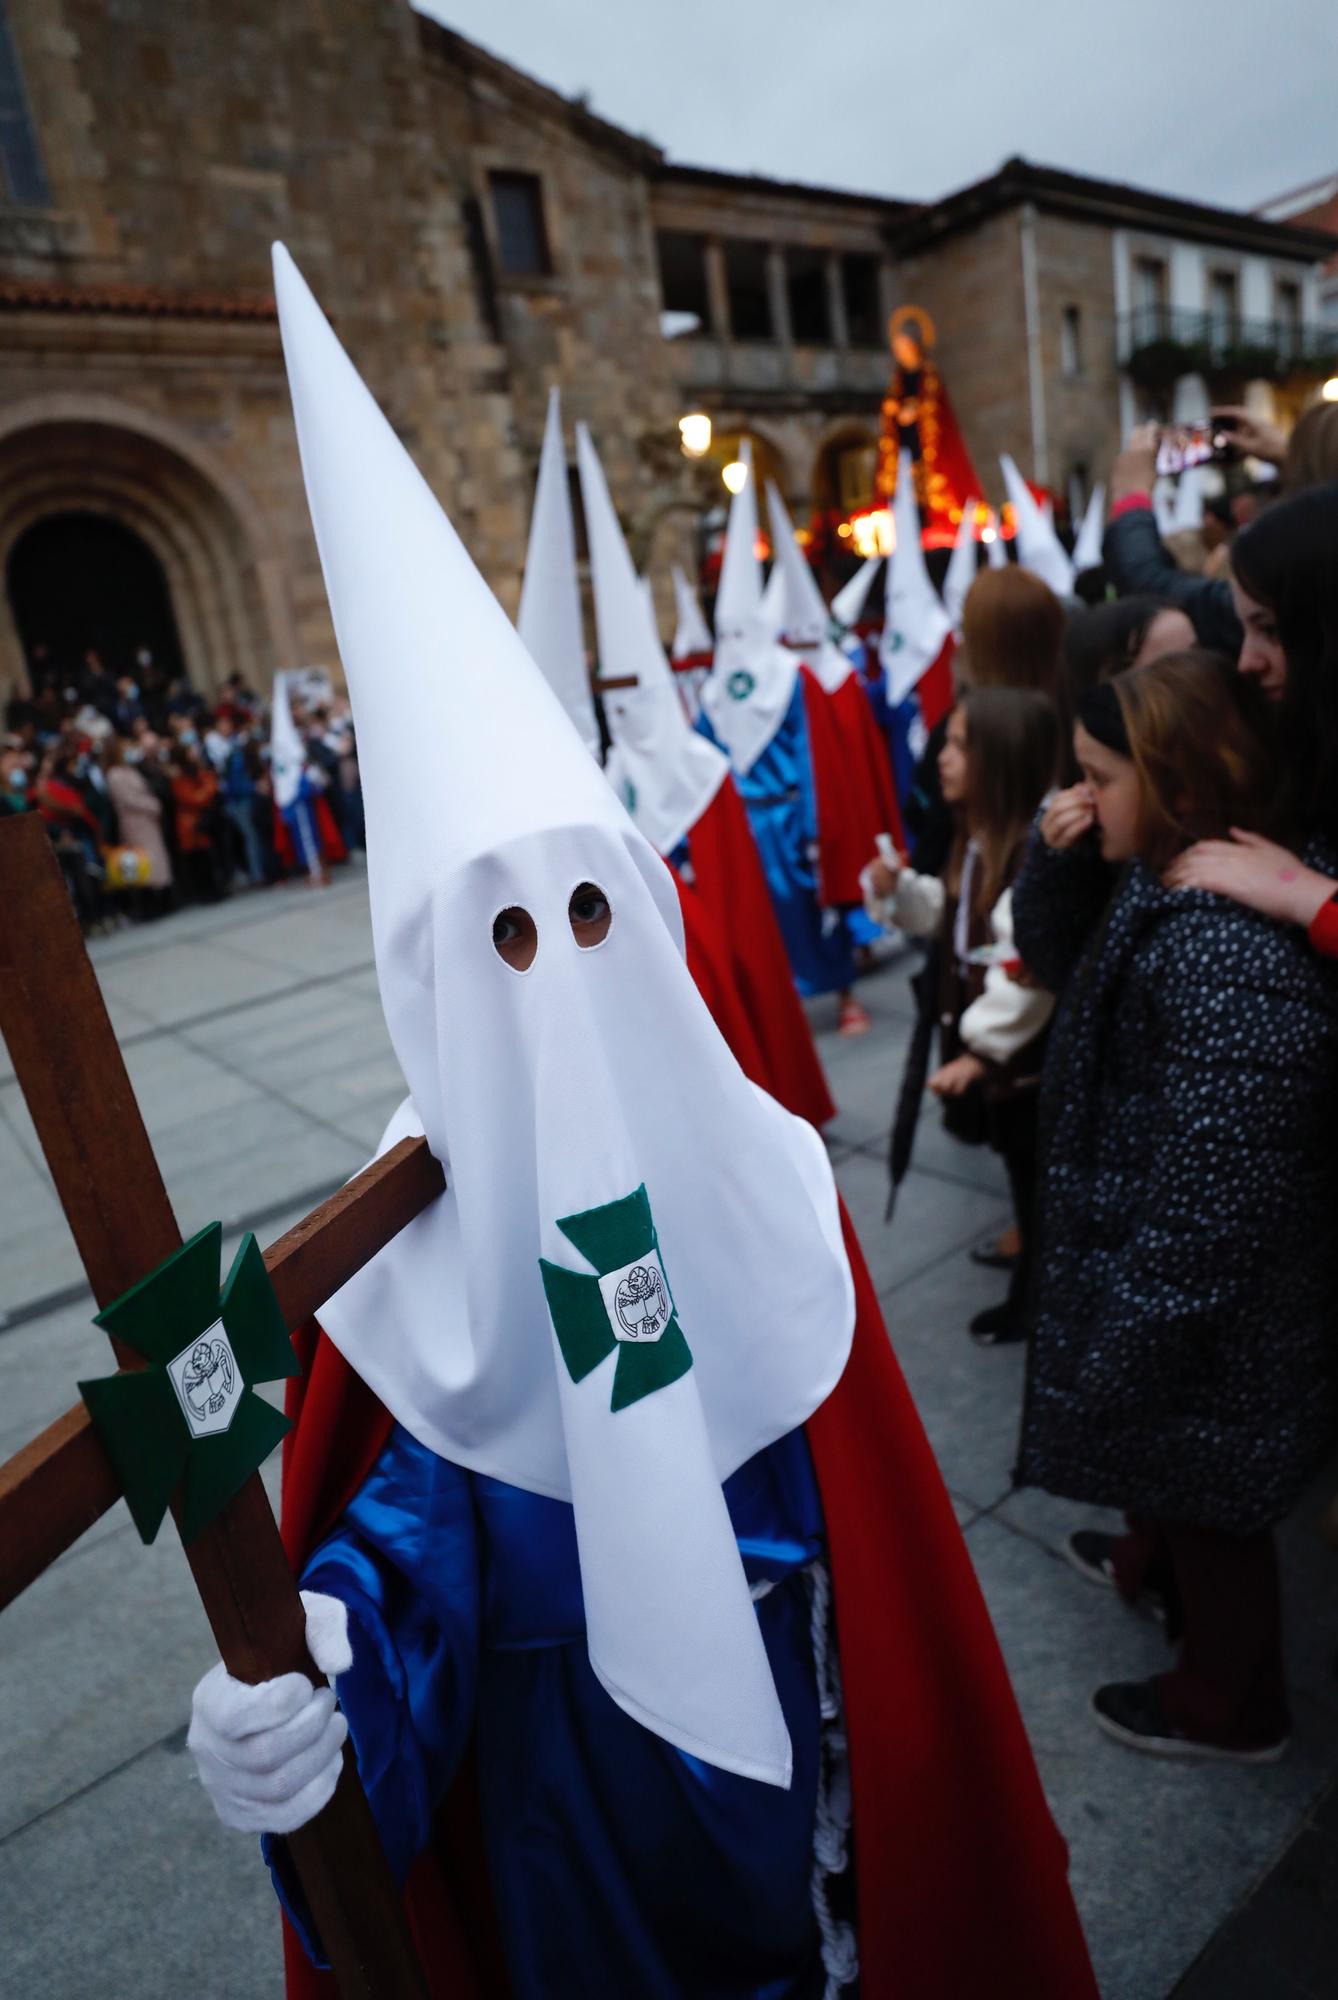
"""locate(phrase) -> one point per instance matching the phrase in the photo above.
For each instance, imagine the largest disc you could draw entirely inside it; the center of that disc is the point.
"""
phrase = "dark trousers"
(1013, 1136)
(1228, 1684)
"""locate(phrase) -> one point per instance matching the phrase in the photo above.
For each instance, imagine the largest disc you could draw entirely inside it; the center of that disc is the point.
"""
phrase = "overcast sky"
(1228, 101)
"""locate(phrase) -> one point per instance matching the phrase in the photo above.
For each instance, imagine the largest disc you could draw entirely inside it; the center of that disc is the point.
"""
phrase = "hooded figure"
(596, 1442)
(693, 646)
(754, 706)
(852, 774)
(678, 789)
(305, 836)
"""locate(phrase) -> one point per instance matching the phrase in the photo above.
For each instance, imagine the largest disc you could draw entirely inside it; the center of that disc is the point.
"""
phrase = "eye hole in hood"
(515, 937)
(590, 915)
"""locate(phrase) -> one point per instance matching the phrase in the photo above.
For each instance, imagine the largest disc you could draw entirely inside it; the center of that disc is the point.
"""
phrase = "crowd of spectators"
(1147, 984)
(155, 796)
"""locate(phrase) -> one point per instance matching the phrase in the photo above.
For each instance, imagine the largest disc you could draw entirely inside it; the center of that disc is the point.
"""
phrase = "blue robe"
(619, 1865)
(782, 810)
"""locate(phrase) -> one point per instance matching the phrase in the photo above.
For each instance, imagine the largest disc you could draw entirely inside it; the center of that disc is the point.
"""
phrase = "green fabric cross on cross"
(193, 1409)
(617, 1238)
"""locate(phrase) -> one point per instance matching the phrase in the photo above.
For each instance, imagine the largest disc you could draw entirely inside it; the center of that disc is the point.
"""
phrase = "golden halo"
(924, 324)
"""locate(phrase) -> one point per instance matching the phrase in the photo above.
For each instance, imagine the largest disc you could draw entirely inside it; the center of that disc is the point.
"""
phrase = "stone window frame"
(1071, 317)
(490, 160)
(1219, 265)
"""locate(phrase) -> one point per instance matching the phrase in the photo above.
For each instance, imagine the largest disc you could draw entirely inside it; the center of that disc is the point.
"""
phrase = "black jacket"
(1186, 1301)
(1139, 563)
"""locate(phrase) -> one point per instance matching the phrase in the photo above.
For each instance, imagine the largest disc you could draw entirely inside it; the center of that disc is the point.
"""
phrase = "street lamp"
(694, 432)
(735, 475)
(1330, 390)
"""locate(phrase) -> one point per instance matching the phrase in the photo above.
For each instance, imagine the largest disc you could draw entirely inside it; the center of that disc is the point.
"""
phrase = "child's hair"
(1198, 736)
(1012, 754)
(1012, 631)
(1105, 639)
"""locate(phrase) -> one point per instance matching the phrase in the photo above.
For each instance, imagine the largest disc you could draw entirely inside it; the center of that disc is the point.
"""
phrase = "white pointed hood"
(550, 598)
(287, 756)
(692, 634)
(663, 771)
(961, 572)
(738, 597)
(806, 624)
(917, 627)
(748, 690)
(1087, 548)
(850, 600)
(599, 1308)
(1039, 548)
(996, 555)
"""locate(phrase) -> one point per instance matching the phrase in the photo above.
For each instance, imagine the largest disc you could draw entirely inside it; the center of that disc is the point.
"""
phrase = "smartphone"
(1184, 445)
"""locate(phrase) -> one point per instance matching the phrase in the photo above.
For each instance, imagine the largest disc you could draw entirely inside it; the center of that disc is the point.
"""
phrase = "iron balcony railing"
(1219, 341)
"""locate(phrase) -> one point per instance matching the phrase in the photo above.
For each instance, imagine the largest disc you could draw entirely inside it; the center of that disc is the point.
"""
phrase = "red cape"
(866, 750)
(708, 962)
(936, 692)
(961, 1873)
(731, 886)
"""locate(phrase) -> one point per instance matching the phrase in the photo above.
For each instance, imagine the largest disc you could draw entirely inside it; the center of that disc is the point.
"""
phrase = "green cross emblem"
(627, 1306)
(740, 684)
(193, 1409)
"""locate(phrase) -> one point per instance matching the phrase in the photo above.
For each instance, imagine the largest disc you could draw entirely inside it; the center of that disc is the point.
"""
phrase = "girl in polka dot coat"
(1184, 1365)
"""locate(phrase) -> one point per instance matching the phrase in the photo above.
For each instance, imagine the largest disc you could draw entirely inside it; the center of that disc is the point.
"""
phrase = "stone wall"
(590, 327)
(971, 285)
(179, 139)
(1075, 268)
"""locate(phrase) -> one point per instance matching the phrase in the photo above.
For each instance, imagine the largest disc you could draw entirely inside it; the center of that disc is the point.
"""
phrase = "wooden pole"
(70, 1070)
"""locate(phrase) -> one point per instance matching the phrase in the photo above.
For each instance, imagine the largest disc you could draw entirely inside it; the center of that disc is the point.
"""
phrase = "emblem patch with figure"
(625, 1308)
(640, 1301)
(740, 684)
(207, 1381)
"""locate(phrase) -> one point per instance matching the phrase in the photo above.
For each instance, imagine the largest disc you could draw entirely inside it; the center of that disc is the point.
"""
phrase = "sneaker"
(997, 1326)
(854, 1019)
(1092, 1554)
(1131, 1713)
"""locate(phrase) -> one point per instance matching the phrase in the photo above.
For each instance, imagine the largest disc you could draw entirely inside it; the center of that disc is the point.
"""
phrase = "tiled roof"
(58, 295)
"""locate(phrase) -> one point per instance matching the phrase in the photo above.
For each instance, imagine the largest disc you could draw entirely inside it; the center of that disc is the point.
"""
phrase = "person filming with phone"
(1138, 561)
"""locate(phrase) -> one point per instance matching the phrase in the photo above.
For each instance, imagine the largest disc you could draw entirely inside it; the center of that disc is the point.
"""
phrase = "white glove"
(269, 1755)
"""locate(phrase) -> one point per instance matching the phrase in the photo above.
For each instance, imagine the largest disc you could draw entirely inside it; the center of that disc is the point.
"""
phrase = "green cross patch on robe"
(193, 1409)
(627, 1306)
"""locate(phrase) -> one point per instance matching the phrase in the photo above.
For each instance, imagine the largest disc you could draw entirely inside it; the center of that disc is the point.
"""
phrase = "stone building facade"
(1068, 309)
(476, 238)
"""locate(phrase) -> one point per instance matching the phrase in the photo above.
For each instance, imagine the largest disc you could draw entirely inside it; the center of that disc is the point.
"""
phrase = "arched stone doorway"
(225, 602)
(85, 583)
(845, 469)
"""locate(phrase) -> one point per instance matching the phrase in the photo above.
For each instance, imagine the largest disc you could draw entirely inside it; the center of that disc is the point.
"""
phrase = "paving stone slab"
(933, 1220)
(135, 1891)
(1162, 1850)
(968, 1397)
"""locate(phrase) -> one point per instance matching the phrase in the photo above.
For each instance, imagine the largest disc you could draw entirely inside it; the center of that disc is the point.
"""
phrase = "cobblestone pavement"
(255, 1041)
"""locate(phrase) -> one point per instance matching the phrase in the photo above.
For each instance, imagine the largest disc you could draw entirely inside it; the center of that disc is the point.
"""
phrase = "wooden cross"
(69, 1067)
